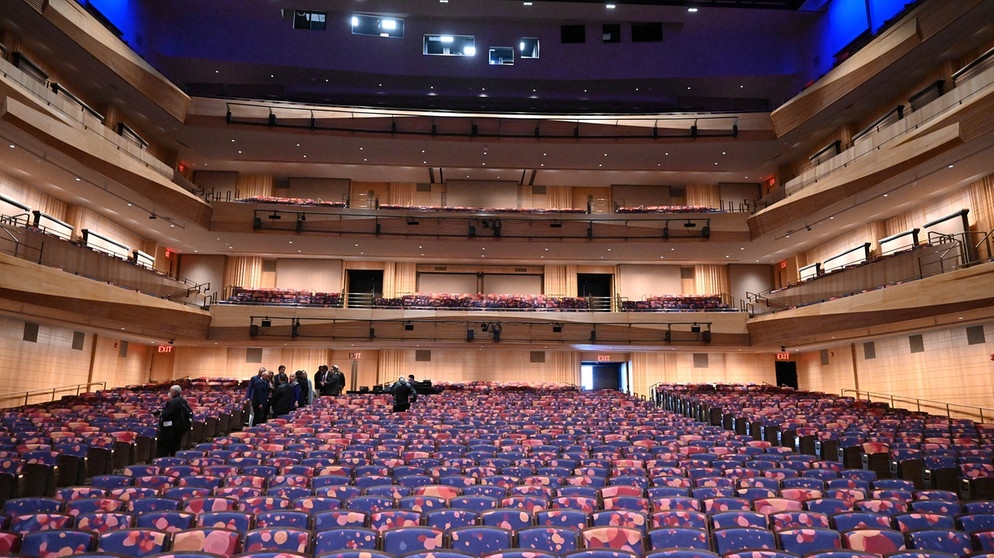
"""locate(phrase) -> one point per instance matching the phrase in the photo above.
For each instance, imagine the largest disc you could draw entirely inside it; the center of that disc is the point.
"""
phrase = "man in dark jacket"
(320, 378)
(171, 429)
(335, 382)
(402, 392)
(283, 399)
(260, 389)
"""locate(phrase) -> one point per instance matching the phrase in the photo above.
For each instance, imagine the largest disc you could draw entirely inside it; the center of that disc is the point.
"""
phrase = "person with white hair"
(173, 422)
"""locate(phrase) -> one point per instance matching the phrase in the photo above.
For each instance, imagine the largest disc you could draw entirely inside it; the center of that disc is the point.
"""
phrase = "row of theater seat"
(931, 451)
(607, 447)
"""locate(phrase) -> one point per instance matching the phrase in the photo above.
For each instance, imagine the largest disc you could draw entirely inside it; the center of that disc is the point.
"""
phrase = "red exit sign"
(355, 356)
(165, 348)
(603, 358)
(783, 356)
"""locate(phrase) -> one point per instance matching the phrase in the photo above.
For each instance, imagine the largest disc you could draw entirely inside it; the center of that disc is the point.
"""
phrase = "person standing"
(282, 399)
(306, 393)
(336, 381)
(253, 383)
(320, 377)
(260, 396)
(402, 392)
(173, 423)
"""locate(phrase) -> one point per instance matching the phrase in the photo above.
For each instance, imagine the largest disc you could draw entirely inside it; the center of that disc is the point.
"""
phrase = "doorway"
(596, 288)
(362, 286)
(787, 374)
(604, 375)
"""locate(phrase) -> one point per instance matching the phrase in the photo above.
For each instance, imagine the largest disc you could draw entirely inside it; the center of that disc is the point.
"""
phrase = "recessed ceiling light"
(692, 10)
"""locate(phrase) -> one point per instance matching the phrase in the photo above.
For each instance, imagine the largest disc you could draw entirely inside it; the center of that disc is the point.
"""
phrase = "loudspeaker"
(470, 334)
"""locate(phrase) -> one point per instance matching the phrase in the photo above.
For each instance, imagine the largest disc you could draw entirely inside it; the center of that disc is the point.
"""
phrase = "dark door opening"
(596, 288)
(787, 374)
(362, 286)
(603, 375)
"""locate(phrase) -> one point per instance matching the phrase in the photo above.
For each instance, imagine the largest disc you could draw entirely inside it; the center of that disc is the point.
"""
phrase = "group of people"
(272, 395)
(275, 395)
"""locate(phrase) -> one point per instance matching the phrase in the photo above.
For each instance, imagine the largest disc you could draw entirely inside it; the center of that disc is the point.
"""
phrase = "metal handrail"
(974, 412)
(23, 397)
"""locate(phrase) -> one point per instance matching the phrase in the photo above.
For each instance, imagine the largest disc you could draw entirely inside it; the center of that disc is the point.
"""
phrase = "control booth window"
(306, 19)
(378, 26)
(501, 56)
(450, 45)
(528, 47)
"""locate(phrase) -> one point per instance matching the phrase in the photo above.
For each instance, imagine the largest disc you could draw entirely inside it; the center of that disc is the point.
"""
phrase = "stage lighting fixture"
(690, 224)
(275, 216)
(409, 326)
(266, 322)
(695, 328)
(557, 328)
(412, 221)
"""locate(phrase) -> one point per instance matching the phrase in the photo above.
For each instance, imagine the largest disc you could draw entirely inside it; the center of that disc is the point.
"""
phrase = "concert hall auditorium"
(688, 279)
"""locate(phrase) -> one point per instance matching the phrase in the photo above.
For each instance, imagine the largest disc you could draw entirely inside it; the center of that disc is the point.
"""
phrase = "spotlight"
(412, 221)
(276, 215)
(557, 328)
(695, 328)
(690, 224)
(266, 322)
(409, 326)
(152, 216)
(556, 225)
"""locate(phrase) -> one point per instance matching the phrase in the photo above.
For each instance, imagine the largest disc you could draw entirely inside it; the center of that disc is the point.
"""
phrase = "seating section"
(484, 302)
(534, 471)
(676, 303)
(284, 296)
(293, 201)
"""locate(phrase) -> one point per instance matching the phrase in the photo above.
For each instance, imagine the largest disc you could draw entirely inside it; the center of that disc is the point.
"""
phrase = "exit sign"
(603, 358)
(783, 356)
(165, 348)
(355, 356)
